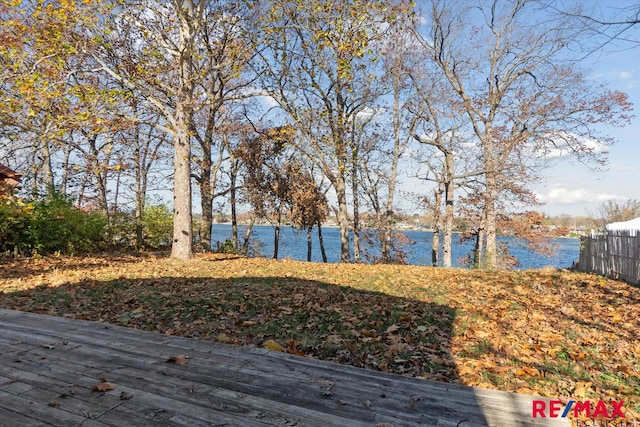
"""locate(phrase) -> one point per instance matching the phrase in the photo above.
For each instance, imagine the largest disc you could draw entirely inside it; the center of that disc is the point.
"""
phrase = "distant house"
(632, 226)
(9, 181)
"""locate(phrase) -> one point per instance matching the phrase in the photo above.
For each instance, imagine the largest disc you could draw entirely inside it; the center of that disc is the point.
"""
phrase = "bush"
(225, 248)
(53, 225)
(157, 226)
(14, 227)
(49, 225)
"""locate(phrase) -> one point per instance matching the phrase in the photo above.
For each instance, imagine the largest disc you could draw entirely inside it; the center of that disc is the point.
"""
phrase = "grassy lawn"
(554, 333)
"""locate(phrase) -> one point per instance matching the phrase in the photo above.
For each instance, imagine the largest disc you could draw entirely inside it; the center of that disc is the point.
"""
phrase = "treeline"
(284, 105)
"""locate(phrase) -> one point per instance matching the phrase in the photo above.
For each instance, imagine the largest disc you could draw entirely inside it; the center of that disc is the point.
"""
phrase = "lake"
(293, 244)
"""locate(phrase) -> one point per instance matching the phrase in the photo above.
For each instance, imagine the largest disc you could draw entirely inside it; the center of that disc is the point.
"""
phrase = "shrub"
(158, 225)
(225, 248)
(49, 225)
(14, 227)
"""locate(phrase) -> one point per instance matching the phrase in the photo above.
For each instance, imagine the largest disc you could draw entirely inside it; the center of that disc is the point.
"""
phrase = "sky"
(572, 188)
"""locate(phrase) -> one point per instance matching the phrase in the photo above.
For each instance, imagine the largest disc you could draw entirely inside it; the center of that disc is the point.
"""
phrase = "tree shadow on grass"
(305, 318)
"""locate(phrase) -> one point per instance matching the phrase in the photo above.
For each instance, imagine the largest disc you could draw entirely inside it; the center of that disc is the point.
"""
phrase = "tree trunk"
(385, 242)
(448, 209)
(437, 222)
(276, 237)
(117, 193)
(139, 208)
(435, 247)
(321, 243)
(233, 201)
(182, 227)
(343, 219)
(139, 192)
(64, 181)
(35, 170)
(247, 236)
(448, 227)
(309, 242)
(478, 257)
(182, 215)
(206, 196)
(48, 169)
(490, 256)
(356, 212)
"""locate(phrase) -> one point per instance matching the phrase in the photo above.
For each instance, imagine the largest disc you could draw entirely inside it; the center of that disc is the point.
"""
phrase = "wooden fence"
(614, 254)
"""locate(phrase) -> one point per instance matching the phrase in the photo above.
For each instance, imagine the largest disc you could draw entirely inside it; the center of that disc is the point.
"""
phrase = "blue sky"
(573, 188)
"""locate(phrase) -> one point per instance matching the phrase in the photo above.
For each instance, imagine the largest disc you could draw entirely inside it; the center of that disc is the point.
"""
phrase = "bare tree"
(613, 211)
(319, 67)
(504, 62)
(224, 52)
(606, 23)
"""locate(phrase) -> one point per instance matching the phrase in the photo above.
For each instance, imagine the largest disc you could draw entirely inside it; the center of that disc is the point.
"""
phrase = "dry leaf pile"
(548, 332)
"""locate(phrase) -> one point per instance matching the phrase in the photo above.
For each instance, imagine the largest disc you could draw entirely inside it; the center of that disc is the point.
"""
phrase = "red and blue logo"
(588, 409)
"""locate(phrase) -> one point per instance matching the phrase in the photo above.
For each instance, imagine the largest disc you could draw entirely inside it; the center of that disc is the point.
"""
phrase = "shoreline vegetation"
(549, 332)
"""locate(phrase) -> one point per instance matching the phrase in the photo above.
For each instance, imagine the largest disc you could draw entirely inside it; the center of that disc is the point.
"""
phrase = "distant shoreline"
(418, 229)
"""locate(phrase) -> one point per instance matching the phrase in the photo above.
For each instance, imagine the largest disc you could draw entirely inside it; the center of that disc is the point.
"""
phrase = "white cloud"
(563, 196)
(367, 113)
(625, 75)
(268, 101)
(564, 144)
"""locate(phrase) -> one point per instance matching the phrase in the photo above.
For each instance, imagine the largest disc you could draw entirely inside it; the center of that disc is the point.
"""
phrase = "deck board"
(49, 364)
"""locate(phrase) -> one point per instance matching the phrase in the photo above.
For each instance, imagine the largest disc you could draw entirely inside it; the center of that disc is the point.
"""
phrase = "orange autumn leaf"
(179, 359)
(103, 386)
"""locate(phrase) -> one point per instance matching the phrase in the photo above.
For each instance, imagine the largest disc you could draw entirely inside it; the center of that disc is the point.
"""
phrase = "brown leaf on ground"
(103, 386)
(179, 359)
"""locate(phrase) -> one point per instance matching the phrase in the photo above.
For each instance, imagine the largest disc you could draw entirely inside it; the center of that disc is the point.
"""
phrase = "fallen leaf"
(414, 399)
(125, 396)
(103, 386)
(180, 359)
(54, 404)
(528, 371)
(326, 383)
(392, 329)
(272, 345)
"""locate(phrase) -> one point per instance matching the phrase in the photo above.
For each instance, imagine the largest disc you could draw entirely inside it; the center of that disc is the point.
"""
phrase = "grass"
(554, 333)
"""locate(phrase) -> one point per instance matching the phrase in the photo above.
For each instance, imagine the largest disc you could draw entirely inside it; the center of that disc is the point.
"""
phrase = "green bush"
(157, 226)
(225, 248)
(14, 227)
(121, 232)
(49, 225)
(53, 224)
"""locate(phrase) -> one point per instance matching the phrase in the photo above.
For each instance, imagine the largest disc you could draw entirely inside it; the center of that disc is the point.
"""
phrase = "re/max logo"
(554, 409)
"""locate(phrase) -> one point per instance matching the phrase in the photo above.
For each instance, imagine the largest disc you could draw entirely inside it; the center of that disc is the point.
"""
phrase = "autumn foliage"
(555, 333)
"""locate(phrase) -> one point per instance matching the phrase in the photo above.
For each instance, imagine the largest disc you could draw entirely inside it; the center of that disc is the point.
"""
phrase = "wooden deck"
(48, 366)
